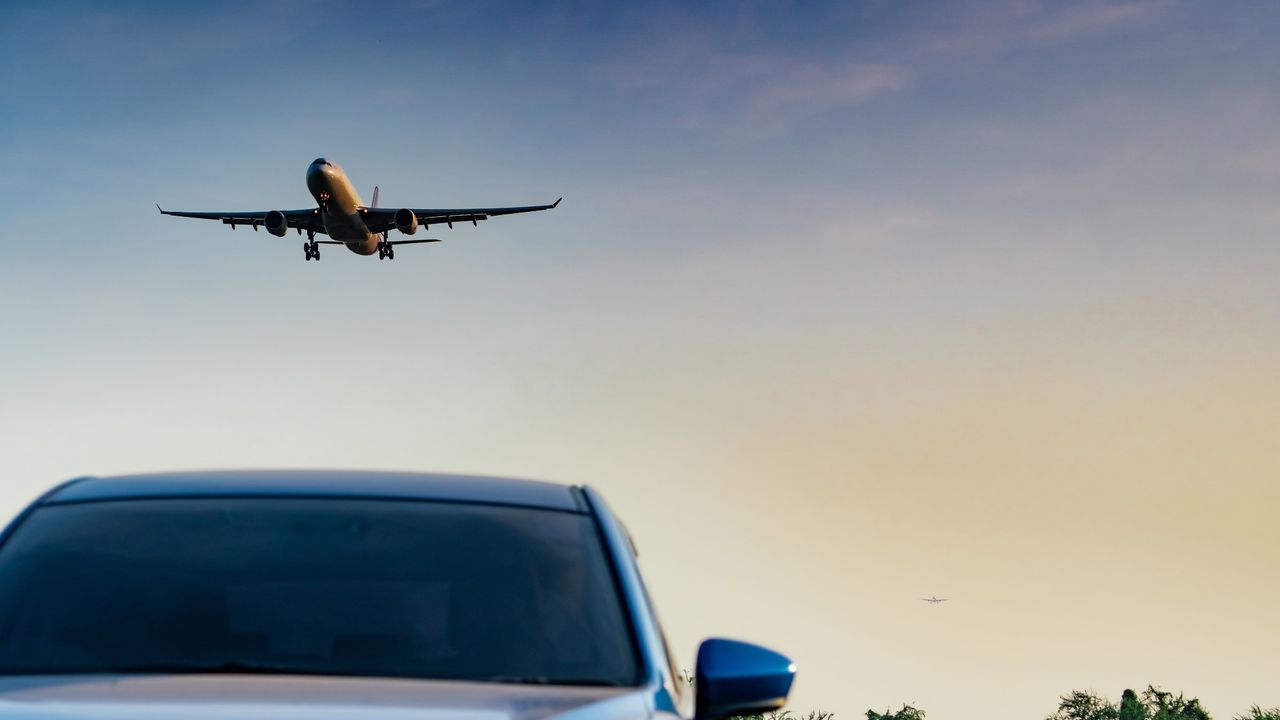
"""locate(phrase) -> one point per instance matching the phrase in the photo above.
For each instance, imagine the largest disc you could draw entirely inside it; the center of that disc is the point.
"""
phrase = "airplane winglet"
(160, 208)
(557, 202)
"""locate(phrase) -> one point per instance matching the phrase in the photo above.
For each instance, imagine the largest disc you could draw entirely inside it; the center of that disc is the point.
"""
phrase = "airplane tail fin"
(375, 197)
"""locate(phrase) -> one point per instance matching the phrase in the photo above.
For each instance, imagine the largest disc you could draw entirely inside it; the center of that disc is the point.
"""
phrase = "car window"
(340, 586)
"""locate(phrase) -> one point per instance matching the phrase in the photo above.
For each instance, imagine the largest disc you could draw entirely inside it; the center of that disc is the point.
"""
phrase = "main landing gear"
(386, 251)
(311, 250)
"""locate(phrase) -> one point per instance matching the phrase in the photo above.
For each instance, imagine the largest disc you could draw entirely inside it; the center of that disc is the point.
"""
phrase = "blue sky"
(892, 299)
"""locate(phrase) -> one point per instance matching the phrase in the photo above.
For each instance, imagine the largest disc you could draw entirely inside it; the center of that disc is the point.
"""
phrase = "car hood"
(248, 697)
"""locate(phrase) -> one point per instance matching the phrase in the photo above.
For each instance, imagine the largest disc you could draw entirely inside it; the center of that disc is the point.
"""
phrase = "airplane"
(340, 215)
(935, 599)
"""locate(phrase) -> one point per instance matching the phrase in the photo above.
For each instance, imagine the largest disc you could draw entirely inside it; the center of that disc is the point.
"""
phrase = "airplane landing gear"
(311, 250)
(386, 251)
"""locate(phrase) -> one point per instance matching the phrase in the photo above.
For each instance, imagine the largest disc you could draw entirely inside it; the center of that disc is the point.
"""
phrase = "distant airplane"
(935, 599)
(340, 215)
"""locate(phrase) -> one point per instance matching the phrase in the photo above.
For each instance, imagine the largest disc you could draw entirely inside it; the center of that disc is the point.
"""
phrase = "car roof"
(360, 484)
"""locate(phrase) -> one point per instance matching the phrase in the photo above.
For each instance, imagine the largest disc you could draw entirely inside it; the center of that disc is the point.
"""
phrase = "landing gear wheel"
(391, 252)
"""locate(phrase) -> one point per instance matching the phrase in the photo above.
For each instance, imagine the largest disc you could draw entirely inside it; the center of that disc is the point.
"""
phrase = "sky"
(846, 304)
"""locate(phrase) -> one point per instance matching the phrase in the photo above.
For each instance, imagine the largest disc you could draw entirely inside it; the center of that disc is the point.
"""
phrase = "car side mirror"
(737, 678)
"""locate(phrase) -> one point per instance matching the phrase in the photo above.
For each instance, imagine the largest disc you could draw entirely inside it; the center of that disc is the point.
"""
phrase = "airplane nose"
(317, 178)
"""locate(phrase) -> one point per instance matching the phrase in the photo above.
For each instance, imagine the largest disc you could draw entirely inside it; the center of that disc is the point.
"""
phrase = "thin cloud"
(750, 94)
(1076, 21)
(755, 96)
(788, 90)
(1001, 25)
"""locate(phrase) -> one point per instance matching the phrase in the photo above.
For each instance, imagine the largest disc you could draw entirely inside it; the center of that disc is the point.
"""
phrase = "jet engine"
(406, 221)
(276, 223)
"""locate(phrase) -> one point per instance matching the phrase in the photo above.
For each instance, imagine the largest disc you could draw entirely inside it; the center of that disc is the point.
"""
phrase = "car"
(329, 594)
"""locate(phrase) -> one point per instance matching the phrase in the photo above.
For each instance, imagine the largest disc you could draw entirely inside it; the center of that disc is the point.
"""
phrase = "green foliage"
(1131, 707)
(906, 713)
(1153, 704)
(1257, 713)
(1081, 705)
(1165, 706)
(786, 715)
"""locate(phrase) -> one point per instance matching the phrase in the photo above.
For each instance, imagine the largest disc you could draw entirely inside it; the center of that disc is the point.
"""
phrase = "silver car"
(343, 595)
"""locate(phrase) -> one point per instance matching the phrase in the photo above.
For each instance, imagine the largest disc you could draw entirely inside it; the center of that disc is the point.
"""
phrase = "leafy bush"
(1257, 713)
(1152, 704)
(1085, 705)
(906, 713)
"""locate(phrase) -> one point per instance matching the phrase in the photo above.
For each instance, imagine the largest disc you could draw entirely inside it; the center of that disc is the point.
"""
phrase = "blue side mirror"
(737, 678)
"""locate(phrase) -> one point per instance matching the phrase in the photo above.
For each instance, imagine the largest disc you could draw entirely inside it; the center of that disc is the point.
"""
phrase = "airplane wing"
(308, 219)
(383, 219)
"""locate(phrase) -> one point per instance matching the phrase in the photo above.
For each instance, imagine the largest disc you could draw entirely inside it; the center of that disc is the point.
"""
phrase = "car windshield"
(312, 586)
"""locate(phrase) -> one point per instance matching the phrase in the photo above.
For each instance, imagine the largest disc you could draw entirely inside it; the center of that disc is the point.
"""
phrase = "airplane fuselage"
(340, 214)
(340, 207)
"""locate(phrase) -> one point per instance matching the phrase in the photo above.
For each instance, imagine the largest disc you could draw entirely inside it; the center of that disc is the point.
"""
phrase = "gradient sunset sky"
(846, 304)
